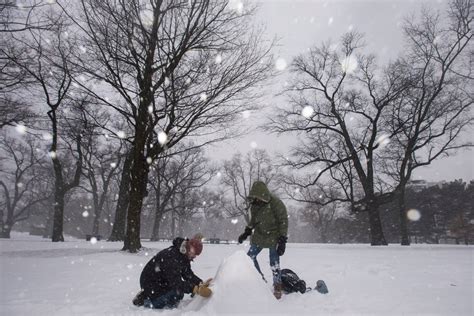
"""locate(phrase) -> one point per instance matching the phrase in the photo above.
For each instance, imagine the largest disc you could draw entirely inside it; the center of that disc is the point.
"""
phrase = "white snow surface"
(75, 277)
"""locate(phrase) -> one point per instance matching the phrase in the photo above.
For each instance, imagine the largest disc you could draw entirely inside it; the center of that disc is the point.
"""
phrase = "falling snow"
(162, 138)
(21, 129)
(280, 64)
(383, 140)
(307, 111)
(349, 64)
(413, 215)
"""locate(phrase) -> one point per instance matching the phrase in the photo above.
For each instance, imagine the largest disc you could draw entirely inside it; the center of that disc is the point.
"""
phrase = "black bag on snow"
(291, 282)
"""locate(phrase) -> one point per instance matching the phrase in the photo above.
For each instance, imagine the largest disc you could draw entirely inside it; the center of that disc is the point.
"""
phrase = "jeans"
(170, 299)
(274, 261)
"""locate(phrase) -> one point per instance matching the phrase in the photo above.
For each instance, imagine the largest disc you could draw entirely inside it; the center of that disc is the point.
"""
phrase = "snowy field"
(39, 277)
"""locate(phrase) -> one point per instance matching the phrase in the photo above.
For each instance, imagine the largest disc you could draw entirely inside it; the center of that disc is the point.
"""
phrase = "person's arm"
(171, 272)
(189, 276)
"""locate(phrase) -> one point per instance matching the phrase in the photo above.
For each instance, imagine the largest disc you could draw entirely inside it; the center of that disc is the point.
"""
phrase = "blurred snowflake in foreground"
(307, 111)
(21, 129)
(280, 64)
(413, 215)
(349, 64)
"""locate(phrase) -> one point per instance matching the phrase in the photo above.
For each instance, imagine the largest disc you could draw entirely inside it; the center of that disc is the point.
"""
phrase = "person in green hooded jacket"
(268, 228)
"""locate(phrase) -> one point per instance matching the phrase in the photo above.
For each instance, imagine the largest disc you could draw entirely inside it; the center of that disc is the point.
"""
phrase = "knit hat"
(196, 243)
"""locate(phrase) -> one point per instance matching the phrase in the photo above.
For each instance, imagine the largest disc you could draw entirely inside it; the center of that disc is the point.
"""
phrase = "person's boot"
(139, 299)
(277, 290)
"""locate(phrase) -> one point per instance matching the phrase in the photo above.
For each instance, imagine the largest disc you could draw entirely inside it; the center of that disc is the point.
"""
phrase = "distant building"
(418, 185)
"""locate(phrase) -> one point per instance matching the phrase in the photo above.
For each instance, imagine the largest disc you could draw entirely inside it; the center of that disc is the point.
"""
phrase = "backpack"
(291, 282)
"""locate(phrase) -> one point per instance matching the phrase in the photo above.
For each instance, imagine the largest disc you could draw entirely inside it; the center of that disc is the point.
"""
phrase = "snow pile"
(237, 286)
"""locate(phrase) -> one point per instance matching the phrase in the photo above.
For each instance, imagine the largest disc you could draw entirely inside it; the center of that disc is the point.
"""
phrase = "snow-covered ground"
(39, 277)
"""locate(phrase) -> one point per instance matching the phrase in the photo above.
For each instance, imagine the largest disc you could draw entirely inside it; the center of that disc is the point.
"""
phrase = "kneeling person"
(168, 276)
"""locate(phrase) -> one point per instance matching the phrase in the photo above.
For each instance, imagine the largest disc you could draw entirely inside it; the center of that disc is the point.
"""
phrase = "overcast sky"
(304, 23)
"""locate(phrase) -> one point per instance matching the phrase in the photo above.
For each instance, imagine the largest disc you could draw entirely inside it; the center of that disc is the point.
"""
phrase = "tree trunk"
(95, 226)
(139, 175)
(173, 225)
(404, 240)
(155, 235)
(48, 225)
(2, 226)
(377, 237)
(58, 217)
(118, 229)
(5, 229)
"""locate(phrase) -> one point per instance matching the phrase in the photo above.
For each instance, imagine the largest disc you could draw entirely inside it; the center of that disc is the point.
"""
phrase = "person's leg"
(253, 253)
(275, 265)
(170, 299)
(276, 272)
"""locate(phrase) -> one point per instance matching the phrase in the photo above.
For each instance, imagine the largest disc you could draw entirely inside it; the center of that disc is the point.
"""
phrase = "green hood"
(260, 191)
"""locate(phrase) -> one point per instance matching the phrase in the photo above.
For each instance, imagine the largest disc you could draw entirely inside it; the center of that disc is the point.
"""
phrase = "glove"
(281, 245)
(247, 232)
(202, 290)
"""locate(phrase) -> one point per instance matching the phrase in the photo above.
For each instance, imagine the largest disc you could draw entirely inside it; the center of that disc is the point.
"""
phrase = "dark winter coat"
(169, 269)
(269, 218)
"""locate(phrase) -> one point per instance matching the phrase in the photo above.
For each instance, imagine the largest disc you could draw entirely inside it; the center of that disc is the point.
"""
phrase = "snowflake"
(246, 114)
(21, 129)
(121, 134)
(280, 64)
(383, 140)
(349, 64)
(413, 215)
(307, 111)
(47, 136)
(162, 138)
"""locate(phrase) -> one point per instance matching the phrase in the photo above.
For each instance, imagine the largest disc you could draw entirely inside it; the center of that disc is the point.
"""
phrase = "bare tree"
(436, 109)
(238, 175)
(18, 18)
(101, 164)
(177, 185)
(351, 108)
(23, 16)
(119, 225)
(341, 119)
(50, 68)
(22, 181)
(152, 55)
